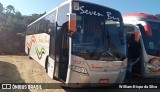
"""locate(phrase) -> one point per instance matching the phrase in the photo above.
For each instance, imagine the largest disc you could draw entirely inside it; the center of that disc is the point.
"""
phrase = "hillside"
(11, 43)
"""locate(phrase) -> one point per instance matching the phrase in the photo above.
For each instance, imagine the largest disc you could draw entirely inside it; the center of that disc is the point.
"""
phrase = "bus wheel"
(29, 54)
(46, 64)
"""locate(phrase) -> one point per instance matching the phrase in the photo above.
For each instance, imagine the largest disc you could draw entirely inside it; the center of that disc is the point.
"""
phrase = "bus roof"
(95, 4)
(68, 1)
(49, 12)
(142, 15)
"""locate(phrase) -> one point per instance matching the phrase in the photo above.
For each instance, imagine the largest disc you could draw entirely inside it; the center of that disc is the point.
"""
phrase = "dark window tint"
(44, 25)
(152, 43)
(98, 39)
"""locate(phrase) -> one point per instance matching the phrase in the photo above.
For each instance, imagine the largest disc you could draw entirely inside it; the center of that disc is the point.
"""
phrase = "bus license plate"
(104, 81)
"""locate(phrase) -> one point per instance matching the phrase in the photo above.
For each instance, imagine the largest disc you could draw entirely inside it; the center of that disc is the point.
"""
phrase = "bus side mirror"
(137, 36)
(148, 30)
(72, 22)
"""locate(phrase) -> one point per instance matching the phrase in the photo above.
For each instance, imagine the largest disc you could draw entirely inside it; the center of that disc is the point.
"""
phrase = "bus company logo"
(45, 40)
(32, 40)
(76, 6)
(96, 66)
(40, 52)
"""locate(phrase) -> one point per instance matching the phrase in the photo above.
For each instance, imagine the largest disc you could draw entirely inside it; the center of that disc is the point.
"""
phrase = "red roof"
(142, 15)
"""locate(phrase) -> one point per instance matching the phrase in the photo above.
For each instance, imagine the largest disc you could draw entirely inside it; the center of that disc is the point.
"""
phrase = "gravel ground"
(21, 69)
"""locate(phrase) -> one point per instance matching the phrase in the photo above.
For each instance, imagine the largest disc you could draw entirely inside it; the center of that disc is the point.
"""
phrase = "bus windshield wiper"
(112, 55)
(107, 52)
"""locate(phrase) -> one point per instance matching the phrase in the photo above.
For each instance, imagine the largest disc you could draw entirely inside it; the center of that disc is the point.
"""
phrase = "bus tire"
(46, 64)
(29, 54)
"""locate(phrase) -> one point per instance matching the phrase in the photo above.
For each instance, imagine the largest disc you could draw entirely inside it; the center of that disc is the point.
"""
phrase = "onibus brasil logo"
(40, 52)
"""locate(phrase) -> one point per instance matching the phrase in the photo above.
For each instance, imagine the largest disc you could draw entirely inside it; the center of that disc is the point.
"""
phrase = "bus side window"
(53, 40)
(62, 19)
(62, 14)
(51, 29)
(51, 23)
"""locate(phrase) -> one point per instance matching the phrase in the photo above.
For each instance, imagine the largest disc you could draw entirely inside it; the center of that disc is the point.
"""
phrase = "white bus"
(148, 48)
(79, 42)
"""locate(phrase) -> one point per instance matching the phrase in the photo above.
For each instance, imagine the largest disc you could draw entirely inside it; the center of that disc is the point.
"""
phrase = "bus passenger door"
(61, 65)
(62, 52)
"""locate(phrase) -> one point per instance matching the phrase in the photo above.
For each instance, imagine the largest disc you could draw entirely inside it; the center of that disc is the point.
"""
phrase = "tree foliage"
(10, 9)
(1, 8)
(12, 20)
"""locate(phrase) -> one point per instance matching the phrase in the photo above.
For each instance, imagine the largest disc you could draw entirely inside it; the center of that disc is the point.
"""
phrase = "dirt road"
(21, 69)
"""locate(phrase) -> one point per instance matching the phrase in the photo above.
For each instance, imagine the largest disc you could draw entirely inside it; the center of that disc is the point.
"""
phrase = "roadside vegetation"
(12, 30)
(13, 20)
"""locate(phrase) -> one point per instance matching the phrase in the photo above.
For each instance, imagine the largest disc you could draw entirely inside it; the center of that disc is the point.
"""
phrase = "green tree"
(18, 15)
(1, 8)
(33, 17)
(10, 10)
(2, 18)
(8, 24)
(11, 20)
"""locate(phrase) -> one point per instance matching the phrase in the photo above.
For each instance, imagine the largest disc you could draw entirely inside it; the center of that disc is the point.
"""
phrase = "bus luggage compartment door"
(50, 67)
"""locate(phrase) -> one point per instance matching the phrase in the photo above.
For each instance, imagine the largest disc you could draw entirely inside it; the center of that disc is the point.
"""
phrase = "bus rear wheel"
(29, 54)
(46, 64)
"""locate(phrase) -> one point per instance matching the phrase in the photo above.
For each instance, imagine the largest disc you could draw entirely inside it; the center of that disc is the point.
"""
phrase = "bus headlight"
(79, 69)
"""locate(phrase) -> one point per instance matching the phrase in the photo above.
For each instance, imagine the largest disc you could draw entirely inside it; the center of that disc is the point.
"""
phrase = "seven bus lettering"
(89, 12)
(109, 15)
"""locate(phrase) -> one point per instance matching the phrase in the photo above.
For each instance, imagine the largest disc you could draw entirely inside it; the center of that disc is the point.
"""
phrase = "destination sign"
(95, 10)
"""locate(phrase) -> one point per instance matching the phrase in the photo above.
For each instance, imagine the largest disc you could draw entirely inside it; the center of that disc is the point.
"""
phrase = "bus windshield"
(98, 38)
(152, 44)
